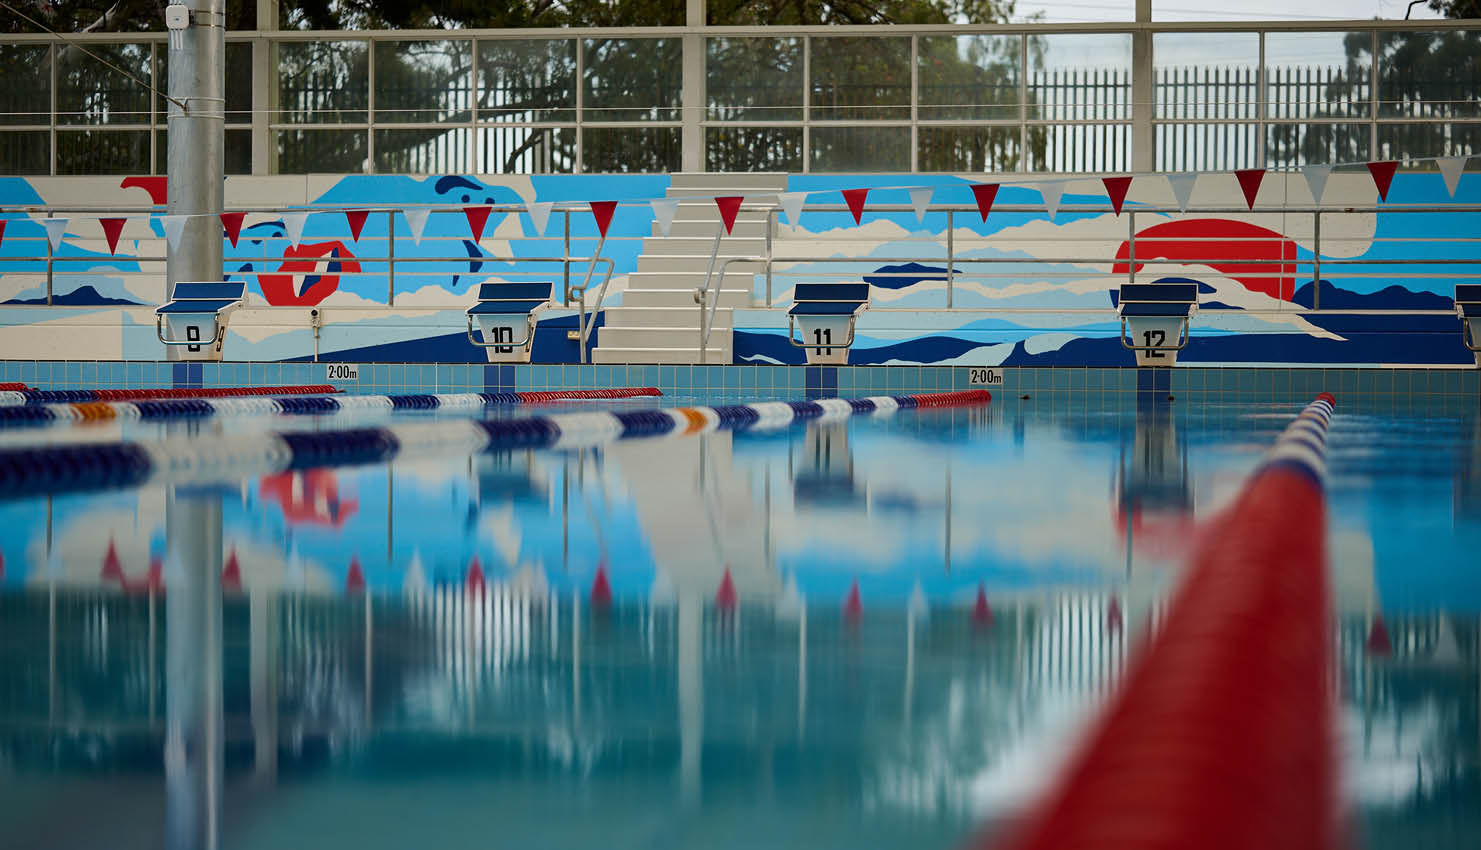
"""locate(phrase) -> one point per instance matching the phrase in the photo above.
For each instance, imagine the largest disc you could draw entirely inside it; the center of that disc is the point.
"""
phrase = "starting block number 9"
(980, 377)
(342, 372)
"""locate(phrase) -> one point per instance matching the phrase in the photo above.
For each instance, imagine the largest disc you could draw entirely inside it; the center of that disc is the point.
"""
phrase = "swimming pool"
(883, 630)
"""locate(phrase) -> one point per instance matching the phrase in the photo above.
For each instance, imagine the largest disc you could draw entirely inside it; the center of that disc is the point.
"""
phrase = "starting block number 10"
(989, 377)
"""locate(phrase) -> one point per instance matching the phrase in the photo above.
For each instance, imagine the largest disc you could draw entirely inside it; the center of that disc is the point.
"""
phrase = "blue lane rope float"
(66, 406)
(190, 460)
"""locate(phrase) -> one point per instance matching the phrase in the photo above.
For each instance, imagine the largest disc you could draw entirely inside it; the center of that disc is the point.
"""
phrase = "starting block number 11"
(989, 377)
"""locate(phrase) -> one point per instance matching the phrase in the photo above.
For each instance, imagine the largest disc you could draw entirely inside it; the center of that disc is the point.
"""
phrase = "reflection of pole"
(909, 664)
(51, 622)
(390, 516)
(691, 696)
(369, 655)
(801, 669)
(193, 742)
(575, 660)
(948, 519)
(263, 663)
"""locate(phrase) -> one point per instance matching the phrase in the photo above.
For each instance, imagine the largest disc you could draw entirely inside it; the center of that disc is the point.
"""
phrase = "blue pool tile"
(746, 376)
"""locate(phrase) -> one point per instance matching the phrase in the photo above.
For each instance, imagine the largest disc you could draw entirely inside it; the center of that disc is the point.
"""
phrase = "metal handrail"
(159, 331)
(702, 298)
(792, 326)
(1183, 337)
(529, 334)
(585, 322)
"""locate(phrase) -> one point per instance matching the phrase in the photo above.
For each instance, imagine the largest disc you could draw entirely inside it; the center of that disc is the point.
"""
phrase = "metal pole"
(1143, 92)
(1131, 246)
(566, 264)
(49, 255)
(197, 143)
(391, 258)
(1316, 261)
(950, 256)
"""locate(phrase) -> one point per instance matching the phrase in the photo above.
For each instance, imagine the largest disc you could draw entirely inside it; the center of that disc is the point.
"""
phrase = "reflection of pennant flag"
(1249, 183)
(293, 223)
(173, 226)
(416, 220)
(1450, 169)
(663, 211)
(56, 228)
(1316, 180)
(1116, 189)
(855, 200)
(1182, 188)
(2, 229)
(233, 223)
(729, 208)
(602, 212)
(1383, 176)
(792, 205)
(112, 227)
(985, 193)
(920, 198)
(1051, 192)
(477, 218)
(539, 215)
(356, 220)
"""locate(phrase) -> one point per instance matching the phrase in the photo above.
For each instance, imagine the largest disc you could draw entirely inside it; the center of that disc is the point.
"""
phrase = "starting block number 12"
(984, 377)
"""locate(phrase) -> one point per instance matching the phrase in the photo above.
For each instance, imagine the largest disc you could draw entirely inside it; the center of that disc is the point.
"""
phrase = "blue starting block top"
(1158, 299)
(506, 298)
(1468, 300)
(828, 299)
(204, 297)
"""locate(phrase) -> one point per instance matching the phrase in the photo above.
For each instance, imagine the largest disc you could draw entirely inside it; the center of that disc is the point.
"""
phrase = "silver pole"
(197, 142)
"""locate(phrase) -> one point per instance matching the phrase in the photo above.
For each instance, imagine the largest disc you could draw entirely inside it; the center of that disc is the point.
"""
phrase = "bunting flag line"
(1383, 176)
(729, 208)
(1182, 188)
(539, 215)
(56, 228)
(985, 193)
(2, 231)
(1316, 180)
(1051, 193)
(1450, 169)
(173, 226)
(791, 203)
(356, 220)
(416, 222)
(1249, 183)
(855, 200)
(920, 198)
(663, 212)
(1116, 189)
(602, 212)
(477, 218)
(232, 221)
(293, 223)
(112, 227)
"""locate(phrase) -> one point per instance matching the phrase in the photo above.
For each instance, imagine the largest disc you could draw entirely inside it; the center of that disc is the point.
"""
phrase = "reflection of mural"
(309, 497)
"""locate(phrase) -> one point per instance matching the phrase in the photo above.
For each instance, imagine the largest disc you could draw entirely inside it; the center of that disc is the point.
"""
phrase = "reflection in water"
(920, 615)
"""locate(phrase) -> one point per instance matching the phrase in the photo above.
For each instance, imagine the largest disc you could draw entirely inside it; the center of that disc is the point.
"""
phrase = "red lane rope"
(13, 386)
(1222, 735)
(576, 395)
(958, 398)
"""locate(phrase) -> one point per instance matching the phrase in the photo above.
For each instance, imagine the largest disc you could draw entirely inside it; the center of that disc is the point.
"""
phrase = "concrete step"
(705, 229)
(690, 280)
(678, 316)
(695, 264)
(730, 246)
(658, 337)
(713, 355)
(728, 179)
(682, 299)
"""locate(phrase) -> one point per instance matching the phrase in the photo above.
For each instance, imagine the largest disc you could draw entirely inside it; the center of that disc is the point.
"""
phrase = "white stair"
(658, 320)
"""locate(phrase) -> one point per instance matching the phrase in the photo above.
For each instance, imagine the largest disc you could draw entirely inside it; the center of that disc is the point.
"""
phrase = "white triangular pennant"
(416, 220)
(55, 229)
(173, 226)
(1182, 188)
(414, 583)
(1316, 180)
(664, 210)
(1051, 192)
(293, 223)
(539, 215)
(1450, 169)
(920, 198)
(791, 203)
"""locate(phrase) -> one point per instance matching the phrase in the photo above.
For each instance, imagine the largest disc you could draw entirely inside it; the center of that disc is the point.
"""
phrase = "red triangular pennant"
(985, 193)
(475, 575)
(233, 224)
(981, 611)
(477, 218)
(1116, 188)
(601, 589)
(112, 567)
(356, 218)
(725, 597)
(1249, 182)
(355, 580)
(2, 231)
(1113, 615)
(602, 212)
(112, 227)
(1383, 176)
(853, 607)
(231, 574)
(1378, 643)
(729, 208)
(855, 200)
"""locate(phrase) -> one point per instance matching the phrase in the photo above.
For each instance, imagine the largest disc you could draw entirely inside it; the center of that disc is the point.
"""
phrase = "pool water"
(883, 632)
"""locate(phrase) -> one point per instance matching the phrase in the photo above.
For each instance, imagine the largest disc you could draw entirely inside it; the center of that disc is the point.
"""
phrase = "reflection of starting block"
(1468, 307)
(824, 313)
(506, 317)
(193, 308)
(1156, 315)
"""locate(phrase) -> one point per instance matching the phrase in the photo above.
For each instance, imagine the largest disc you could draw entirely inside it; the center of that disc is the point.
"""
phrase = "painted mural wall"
(1031, 285)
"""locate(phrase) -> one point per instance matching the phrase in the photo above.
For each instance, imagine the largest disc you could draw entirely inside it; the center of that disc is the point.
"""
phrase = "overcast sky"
(1219, 10)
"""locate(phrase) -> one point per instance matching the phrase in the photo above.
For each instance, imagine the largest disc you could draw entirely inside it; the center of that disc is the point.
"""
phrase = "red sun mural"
(308, 498)
(308, 274)
(1259, 258)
